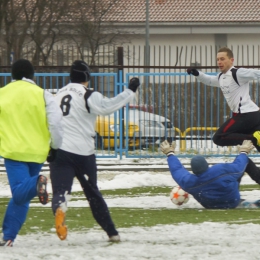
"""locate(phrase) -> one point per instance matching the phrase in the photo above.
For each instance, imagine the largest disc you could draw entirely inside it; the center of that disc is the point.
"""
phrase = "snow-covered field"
(181, 242)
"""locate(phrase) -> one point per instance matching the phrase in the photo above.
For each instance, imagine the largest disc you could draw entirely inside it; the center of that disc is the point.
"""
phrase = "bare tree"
(14, 31)
(39, 24)
(34, 23)
(3, 5)
(91, 30)
(44, 17)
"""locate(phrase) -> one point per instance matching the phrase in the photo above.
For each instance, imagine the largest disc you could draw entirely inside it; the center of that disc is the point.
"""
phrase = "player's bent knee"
(216, 140)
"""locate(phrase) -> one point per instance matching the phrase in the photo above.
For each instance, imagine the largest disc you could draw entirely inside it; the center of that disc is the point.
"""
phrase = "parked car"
(107, 133)
(153, 128)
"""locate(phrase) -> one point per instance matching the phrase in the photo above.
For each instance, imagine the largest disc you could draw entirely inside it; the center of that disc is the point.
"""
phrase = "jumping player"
(245, 121)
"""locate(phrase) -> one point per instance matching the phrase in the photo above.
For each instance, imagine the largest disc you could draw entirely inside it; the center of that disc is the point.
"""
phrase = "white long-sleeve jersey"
(237, 96)
(54, 117)
(79, 124)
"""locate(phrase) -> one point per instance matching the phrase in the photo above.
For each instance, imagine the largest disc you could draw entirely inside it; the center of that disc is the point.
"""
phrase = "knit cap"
(199, 164)
(79, 72)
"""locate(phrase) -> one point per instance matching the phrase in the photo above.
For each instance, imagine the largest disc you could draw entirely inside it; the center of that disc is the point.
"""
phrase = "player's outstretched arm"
(204, 78)
(105, 106)
(167, 149)
(247, 74)
(193, 71)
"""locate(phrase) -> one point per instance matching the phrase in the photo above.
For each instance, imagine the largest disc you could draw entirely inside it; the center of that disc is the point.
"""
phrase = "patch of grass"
(249, 187)
(138, 191)
(150, 191)
(41, 219)
(80, 219)
(133, 192)
(150, 217)
(3, 201)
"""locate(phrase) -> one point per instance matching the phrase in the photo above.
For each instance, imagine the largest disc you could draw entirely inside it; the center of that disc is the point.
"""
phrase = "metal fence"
(164, 58)
(172, 106)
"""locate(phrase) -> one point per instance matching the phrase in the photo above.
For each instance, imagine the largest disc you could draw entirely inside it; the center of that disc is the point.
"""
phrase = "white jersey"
(79, 123)
(54, 117)
(237, 96)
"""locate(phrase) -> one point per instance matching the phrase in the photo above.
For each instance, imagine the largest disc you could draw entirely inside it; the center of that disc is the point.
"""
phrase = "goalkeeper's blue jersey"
(217, 188)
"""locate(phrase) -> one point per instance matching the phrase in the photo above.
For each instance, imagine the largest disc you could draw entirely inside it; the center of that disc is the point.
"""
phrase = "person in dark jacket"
(215, 187)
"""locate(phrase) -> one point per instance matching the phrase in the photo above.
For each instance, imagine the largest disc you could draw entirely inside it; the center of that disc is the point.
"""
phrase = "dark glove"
(134, 83)
(193, 71)
(52, 155)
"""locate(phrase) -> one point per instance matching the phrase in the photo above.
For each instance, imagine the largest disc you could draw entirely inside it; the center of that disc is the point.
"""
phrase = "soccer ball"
(178, 196)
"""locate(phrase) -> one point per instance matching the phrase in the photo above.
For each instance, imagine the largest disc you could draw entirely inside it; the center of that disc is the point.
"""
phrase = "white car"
(153, 128)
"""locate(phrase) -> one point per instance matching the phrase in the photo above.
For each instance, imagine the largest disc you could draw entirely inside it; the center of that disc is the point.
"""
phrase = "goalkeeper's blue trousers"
(22, 177)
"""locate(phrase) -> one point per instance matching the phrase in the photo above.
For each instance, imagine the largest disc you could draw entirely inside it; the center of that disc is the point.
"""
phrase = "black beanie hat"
(22, 68)
(79, 72)
(199, 164)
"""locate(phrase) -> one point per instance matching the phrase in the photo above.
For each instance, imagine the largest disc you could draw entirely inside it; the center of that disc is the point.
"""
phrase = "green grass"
(149, 191)
(133, 192)
(79, 219)
(249, 187)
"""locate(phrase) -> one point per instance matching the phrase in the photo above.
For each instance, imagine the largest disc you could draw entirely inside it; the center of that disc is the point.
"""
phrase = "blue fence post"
(121, 122)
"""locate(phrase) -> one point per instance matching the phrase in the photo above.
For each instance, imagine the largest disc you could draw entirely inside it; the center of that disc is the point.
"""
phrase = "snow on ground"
(182, 242)
(217, 241)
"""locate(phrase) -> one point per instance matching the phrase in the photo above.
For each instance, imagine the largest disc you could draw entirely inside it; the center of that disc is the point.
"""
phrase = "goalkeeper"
(215, 187)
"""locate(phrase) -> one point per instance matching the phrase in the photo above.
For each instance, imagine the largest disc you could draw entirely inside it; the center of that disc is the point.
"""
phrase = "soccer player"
(215, 187)
(76, 156)
(245, 121)
(30, 121)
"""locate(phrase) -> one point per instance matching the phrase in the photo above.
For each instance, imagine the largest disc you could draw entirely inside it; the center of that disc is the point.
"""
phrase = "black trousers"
(235, 130)
(238, 128)
(253, 171)
(63, 169)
